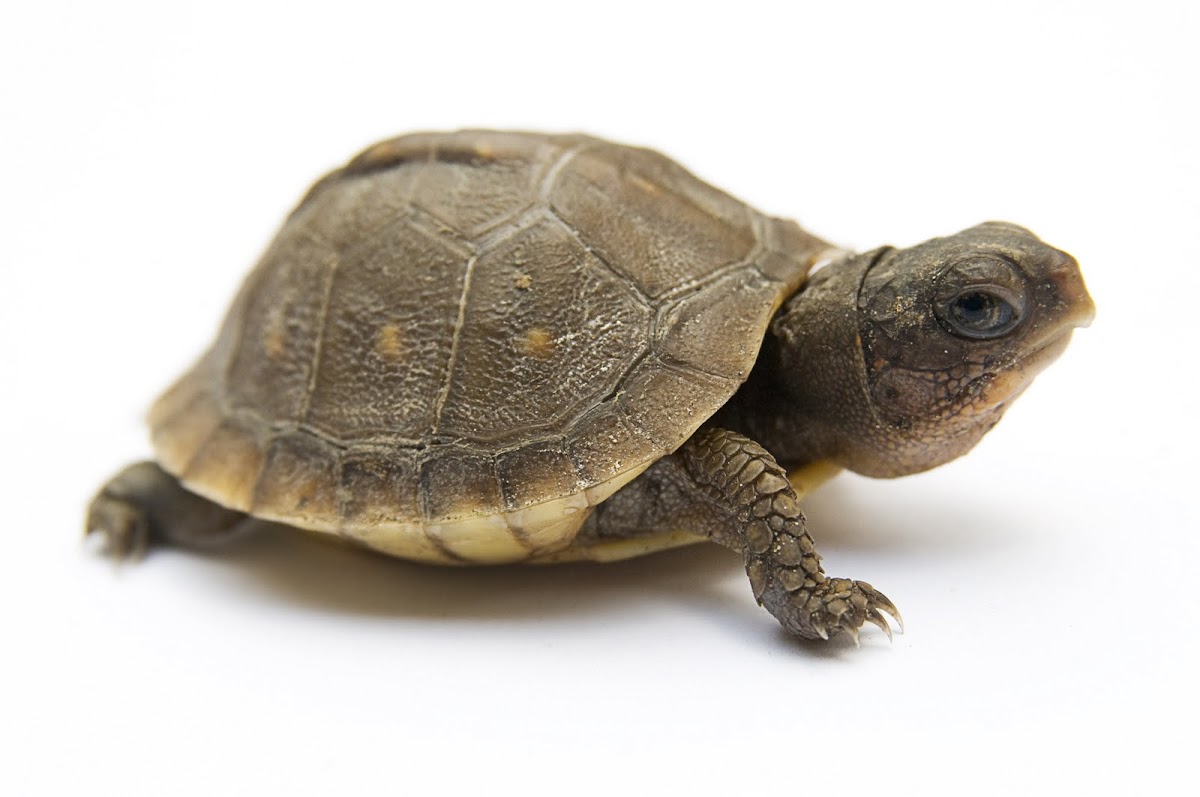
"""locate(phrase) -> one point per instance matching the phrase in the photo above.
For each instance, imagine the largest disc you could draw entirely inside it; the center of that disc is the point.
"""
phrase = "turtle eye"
(980, 297)
(981, 313)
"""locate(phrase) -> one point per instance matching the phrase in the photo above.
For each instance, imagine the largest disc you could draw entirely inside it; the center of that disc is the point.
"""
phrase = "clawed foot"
(143, 505)
(123, 524)
(837, 606)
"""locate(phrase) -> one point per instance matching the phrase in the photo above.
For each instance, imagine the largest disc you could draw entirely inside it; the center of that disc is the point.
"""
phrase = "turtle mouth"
(1006, 385)
(1011, 382)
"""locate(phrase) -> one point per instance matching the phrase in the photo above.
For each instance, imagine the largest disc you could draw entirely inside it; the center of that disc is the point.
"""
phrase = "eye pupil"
(976, 308)
(979, 313)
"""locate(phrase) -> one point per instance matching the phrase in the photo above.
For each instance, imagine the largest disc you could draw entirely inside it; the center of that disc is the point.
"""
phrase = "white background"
(149, 149)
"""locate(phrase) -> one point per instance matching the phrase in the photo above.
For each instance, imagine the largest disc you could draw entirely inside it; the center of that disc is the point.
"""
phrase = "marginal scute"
(790, 252)
(227, 464)
(298, 482)
(183, 393)
(459, 484)
(717, 328)
(598, 493)
(530, 473)
(378, 487)
(604, 445)
(179, 428)
(668, 405)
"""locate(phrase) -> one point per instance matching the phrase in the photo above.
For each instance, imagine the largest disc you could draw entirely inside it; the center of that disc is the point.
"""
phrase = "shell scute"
(715, 329)
(661, 402)
(271, 359)
(378, 486)
(457, 484)
(183, 420)
(650, 219)
(387, 335)
(226, 465)
(529, 473)
(298, 481)
(561, 336)
(460, 343)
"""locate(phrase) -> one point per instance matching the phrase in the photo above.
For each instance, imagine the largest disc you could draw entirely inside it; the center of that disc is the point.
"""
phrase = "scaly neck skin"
(760, 410)
(808, 379)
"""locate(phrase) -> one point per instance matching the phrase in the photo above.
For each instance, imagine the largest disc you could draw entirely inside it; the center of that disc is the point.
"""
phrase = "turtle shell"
(460, 343)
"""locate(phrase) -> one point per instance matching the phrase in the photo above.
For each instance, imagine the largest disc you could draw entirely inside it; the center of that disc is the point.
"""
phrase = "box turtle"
(485, 347)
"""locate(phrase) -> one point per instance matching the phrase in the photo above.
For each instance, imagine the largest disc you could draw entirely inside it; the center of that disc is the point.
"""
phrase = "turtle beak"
(1077, 310)
(1068, 282)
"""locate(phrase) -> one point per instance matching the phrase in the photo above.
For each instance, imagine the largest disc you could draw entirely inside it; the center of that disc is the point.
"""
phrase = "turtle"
(490, 347)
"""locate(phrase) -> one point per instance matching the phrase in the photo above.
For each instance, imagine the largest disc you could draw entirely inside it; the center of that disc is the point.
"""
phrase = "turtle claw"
(835, 606)
(876, 619)
(124, 527)
(881, 601)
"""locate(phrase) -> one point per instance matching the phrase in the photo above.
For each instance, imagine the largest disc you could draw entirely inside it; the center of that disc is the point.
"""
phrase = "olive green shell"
(459, 343)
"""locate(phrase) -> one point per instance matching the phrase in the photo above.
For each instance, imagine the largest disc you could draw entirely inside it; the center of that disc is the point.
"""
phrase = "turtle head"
(899, 360)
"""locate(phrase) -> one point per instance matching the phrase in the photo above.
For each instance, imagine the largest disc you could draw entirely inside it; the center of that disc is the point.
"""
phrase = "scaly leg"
(727, 487)
(144, 505)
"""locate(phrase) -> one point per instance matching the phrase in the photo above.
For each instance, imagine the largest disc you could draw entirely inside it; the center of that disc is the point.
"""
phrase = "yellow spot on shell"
(381, 153)
(536, 342)
(275, 338)
(523, 282)
(645, 185)
(389, 342)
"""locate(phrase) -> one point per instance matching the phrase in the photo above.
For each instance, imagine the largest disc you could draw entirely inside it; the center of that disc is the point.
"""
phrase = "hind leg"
(143, 505)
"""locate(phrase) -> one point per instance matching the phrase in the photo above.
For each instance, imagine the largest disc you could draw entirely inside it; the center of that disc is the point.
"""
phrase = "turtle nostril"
(1068, 282)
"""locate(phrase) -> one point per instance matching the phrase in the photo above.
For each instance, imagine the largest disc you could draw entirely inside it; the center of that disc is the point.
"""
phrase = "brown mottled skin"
(458, 336)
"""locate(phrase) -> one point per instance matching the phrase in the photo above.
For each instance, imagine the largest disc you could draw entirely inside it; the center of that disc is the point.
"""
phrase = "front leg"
(764, 522)
(724, 486)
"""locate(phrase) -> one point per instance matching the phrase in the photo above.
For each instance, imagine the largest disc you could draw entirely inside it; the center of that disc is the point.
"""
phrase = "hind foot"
(143, 505)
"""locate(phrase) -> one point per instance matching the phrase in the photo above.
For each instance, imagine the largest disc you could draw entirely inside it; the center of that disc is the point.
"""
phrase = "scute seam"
(319, 339)
(444, 390)
(638, 292)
